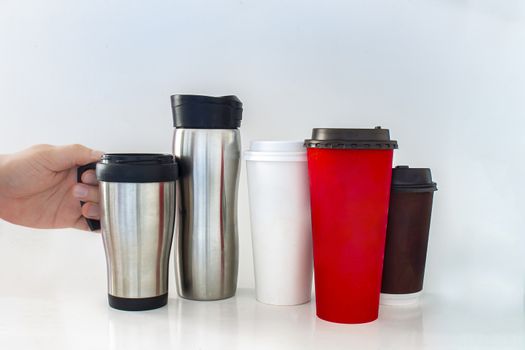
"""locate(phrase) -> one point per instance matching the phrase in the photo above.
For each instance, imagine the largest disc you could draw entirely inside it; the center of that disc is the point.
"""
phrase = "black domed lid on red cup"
(137, 167)
(334, 138)
(206, 112)
(408, 179)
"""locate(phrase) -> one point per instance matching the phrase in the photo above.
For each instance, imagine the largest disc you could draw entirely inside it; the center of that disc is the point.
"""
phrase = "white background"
(447, 77)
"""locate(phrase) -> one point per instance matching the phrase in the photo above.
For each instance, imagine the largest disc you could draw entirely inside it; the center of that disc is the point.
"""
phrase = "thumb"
(65, 157)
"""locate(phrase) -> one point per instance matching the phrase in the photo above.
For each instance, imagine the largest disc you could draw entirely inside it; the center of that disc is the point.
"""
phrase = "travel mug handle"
(94, 225)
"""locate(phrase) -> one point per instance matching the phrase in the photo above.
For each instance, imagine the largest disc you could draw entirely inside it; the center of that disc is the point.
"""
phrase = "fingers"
(86, 193)
(81, 224)
(64, 157)
(89, 177)
(91, 211)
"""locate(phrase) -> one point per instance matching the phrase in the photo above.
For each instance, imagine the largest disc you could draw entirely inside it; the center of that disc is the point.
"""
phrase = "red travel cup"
(350, 172)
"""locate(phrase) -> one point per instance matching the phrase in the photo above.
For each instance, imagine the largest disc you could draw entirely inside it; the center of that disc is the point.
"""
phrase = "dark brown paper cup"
(407, 235)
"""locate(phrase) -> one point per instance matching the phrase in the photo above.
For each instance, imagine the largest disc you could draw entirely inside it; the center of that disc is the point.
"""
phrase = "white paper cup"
(280, 221)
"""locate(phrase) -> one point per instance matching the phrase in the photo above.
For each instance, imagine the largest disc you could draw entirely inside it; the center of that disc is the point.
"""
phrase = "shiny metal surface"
(137, 229)
(206, 261)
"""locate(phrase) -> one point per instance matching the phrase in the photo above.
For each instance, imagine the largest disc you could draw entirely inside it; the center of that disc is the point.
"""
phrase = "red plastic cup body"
(349, 190)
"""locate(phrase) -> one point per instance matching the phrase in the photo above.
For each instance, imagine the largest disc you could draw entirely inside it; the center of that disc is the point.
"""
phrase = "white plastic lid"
(277, 146)
(276, 151)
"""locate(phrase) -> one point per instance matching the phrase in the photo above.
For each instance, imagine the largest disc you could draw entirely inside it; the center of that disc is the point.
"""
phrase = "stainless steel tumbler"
(137, 200)
(207, 146)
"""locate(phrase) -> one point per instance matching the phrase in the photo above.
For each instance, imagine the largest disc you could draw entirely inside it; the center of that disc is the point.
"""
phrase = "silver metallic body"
(206, 260)
(137, 222)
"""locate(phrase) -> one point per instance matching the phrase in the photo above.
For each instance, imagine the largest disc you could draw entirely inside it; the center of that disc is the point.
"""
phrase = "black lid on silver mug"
(206, 112)
(137, 167)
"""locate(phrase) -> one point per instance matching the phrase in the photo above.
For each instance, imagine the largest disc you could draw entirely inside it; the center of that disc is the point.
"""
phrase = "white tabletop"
(53, 296)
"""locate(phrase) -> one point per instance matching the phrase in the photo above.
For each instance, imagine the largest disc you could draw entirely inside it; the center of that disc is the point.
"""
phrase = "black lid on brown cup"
(335, 138)
(408, 179)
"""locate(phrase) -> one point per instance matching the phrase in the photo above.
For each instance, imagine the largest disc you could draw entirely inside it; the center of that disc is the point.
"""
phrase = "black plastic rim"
(137, 304)
(334, 138)
(137, 167)
(232, 100)
(206, 112)
(136, 158)
(415, 189)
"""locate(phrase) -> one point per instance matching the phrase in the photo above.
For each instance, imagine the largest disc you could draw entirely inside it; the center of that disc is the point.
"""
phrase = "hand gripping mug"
(349, 172)
(137, 201)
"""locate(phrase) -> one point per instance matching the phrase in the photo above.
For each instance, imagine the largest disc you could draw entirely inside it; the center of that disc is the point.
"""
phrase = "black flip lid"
(206, 112)
(412, 179)
(376, 138)
(137, 167)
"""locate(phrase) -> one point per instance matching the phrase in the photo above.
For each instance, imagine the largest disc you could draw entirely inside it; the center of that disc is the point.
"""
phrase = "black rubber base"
(137, 304)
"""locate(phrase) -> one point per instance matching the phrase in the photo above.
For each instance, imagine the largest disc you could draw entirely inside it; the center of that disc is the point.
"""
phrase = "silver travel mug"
(137, 200)
(207, 147)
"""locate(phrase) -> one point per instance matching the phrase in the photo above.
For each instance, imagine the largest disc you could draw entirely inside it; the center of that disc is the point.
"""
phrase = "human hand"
(38, 187)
